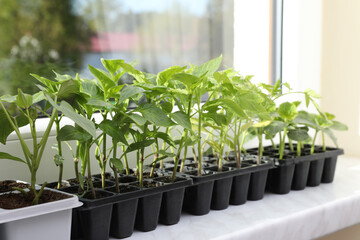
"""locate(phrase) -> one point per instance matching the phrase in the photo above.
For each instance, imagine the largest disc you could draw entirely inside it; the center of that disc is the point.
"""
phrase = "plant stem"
(126, 161)
(323, 141)
(282, 144)
(199, 141)
(313, 143)
(156, 155)
(291, 145)
(241, 146)
(38, 195)
(298, 149)
(260, 145)
(272, 143)
(114, 168)
(76, 161)
(61, 166)
(183, 159)
(87, 157)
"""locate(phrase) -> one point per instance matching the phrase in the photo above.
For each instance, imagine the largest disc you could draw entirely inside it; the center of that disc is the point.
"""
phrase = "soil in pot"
(107, 184)
(18, 200)
(8, 185)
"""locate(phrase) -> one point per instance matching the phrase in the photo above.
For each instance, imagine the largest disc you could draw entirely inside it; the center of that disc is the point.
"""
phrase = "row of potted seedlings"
(170, 117)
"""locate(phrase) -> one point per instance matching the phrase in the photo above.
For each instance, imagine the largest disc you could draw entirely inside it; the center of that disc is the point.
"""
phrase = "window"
(64, 35)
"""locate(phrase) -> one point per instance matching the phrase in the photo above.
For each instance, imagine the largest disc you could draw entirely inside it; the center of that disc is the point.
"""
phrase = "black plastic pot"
(172, 200)
(124, 213)
(148, 211)
(257, 185)
(258, 176)
(331, 156)
(241, 181)
(239, 189)
(197, 199)
(280, 178)
(221, 193)
(315, 172)
(300, 175)
(86, 218)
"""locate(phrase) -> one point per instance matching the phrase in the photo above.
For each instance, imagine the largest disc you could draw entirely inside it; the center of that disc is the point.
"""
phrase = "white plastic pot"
(41, 222)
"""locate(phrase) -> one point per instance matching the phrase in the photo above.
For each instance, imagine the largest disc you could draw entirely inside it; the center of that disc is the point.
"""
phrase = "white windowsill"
(307, 214)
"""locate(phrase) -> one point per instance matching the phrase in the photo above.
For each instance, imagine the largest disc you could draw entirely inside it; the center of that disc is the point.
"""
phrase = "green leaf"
(129, 91)
(62, 78)
(112, 129)
(208, 68)
(298, 134)
(233, 106)
(168, 154)
(155, 115)
(58, 159)
(331, 135)
(339, 126)
(112, 65)
(307, 100)
(139, 120)
(6, 128)
(329, 116)
(138, 75)
(117, 163)
(166, 107)
(287, 111)
(139, 145)
(69, 112)
(246, 126)
(262, 124)
(187, 79)
(23, 100)
(312, 93)
(165, 75)
(8, 98)
(38, 97)
(274, 127)
(4, 155)
(115, 91)
(69, 132)
(51, 85)
(182, 119)
(165, 137)
(100, 104)
(68, 89)
(104, 79)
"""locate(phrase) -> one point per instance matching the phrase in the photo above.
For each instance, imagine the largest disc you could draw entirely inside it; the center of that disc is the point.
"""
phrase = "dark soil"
(123, 189)
(7, 186)
(99, 184)
(19, 200)
(168, 179)
(147, 184)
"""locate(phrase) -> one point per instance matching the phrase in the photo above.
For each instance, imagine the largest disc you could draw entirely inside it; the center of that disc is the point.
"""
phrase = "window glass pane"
(38, 36)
